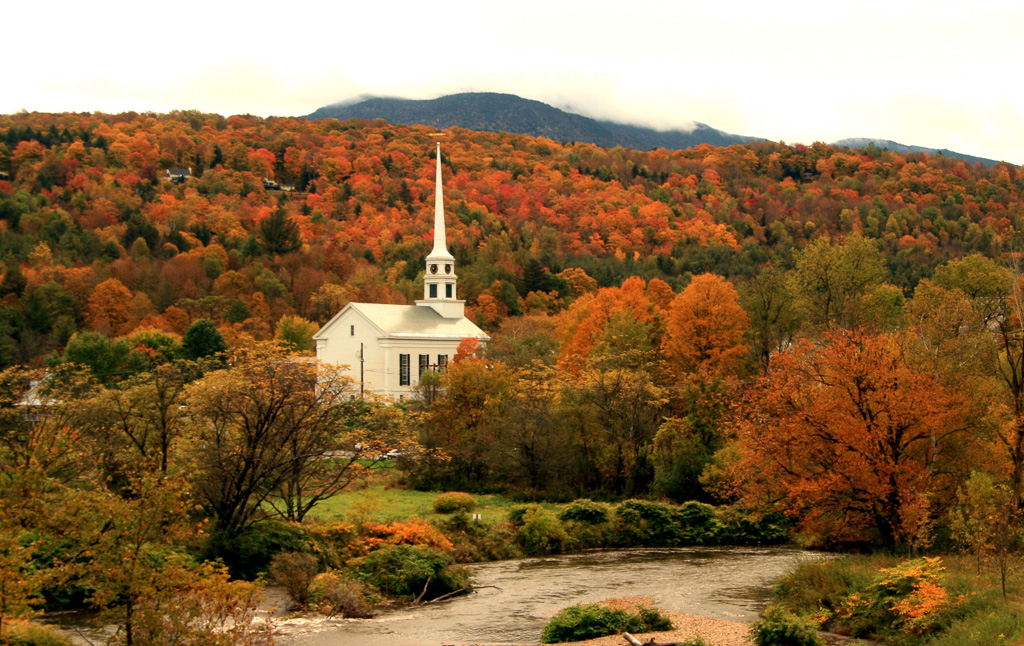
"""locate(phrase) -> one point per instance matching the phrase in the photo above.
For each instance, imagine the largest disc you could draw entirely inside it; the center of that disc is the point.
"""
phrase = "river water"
(720, 583)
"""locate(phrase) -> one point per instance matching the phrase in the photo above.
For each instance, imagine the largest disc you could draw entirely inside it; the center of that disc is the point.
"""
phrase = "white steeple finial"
(440, 250)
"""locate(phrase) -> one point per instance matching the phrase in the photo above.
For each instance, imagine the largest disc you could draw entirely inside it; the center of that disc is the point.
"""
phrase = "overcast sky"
(936, 73)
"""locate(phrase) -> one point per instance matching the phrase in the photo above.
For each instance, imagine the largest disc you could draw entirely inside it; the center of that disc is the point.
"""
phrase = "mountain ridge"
(501, 112)
(496, 112)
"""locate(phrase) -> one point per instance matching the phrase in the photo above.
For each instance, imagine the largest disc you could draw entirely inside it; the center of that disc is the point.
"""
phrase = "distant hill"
(861, 142)
(493, 112)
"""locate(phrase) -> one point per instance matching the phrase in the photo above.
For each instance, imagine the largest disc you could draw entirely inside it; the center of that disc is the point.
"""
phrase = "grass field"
(381, 501)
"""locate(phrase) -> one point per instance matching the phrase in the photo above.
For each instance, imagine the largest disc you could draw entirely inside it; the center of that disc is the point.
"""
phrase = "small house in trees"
(387, 348)
(177, 175)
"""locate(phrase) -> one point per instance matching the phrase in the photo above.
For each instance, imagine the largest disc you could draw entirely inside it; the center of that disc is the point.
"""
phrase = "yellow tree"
(594, 319)
(107, 310)
(705, 327)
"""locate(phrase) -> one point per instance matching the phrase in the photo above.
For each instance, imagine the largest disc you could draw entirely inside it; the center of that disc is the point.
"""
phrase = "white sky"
(937, 73)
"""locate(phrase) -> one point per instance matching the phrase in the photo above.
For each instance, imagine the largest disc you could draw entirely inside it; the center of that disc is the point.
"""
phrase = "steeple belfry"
(440, 280)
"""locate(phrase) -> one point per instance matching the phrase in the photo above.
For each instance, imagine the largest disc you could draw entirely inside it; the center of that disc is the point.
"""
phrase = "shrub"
(333, 541)
(295, 572)
(334, 595)
(779, 627)
(248, 553)
(22, 633)
(584, 536)
(200, 605)
(908, 597)
(541, 532)
(745, 528)
(589, 621)
(822, 585)
(409, 571)
(517, 514)
(647, 523)
(408, 532)
(492, 543)
(453, 501)
(585, 511)
(697, 523)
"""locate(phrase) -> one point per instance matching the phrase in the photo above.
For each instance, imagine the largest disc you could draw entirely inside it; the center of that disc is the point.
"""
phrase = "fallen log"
(471, 588)
(633, 641)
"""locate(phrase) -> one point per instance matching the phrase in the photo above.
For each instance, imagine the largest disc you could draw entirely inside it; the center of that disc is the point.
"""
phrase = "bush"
(647, 523)
(248, 554)
(294, 571)
(697, 523)
(517, 514)
(23, 633)
(334, 595)
(779, 627)
(822, 585)
(410, 532)
(333, 541)
(908, 598)
(541, 532)
(585, 511)
(745, 528)
(408, 571)
(584, 536)
(453, 501)
(589, 621)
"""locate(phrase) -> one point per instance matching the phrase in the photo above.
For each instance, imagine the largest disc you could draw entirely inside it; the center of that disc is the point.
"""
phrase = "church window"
(403, 370)
(448, 290)
(433, 290)
(351, 330)
(424, 363)
(447, 269)
(442, 362)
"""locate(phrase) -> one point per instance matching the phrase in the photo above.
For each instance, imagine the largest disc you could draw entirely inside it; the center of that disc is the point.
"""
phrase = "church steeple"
(440, 280)
(440, 250)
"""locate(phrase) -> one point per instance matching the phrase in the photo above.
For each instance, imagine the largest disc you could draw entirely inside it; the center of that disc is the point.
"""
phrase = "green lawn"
(383, 502)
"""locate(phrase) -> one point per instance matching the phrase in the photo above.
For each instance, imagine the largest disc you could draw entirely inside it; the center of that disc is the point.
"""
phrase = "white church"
(388, 347)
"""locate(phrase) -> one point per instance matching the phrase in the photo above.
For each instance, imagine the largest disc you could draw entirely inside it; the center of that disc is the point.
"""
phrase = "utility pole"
(362, 383)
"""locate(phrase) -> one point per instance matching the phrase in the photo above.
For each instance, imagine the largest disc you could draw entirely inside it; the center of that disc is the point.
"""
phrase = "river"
(730, 583)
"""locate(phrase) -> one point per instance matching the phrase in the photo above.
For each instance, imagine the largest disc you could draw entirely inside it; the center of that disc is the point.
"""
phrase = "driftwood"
(425, 586)
(633, 641)
(471, 588)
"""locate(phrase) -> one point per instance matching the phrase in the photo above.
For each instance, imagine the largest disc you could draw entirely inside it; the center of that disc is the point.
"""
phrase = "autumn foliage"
(96, 237)
(850, 436)
(829, 333)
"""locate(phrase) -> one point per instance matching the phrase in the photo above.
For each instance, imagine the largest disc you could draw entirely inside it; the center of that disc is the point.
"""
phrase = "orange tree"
(705, 328)
(841, 434)
(703, 347)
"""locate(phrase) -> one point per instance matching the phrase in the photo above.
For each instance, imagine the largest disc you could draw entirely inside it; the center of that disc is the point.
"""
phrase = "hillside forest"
(828, 335)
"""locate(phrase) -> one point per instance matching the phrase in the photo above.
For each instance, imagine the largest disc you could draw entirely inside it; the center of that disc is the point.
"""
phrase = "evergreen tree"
(279, 233)
(237, 312)
(14, 281)
(202, 339)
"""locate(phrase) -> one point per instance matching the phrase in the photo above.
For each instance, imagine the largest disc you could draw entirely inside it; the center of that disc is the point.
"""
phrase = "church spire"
(439, 282)
(440, 250)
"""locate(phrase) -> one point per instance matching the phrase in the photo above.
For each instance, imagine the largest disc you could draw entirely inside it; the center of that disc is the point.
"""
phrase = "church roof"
(410, 322)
